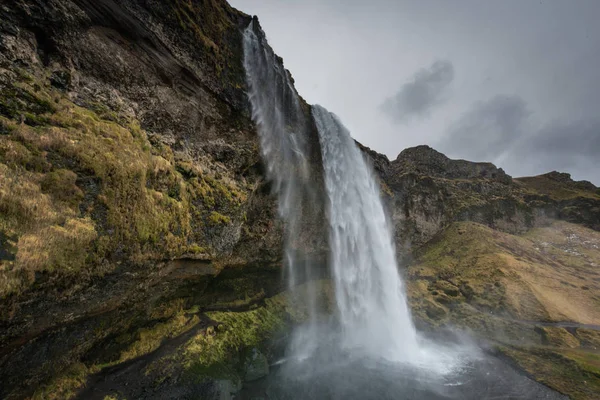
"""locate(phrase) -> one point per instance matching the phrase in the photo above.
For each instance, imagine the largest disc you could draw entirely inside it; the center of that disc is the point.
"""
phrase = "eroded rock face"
(426, 191)
(132, 193)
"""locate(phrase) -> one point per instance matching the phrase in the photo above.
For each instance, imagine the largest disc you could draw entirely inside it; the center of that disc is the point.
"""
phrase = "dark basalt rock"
(423, 160)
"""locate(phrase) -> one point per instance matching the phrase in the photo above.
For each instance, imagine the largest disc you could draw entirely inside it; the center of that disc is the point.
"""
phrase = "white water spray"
(282, 125)
(373, 318)
(373, 312)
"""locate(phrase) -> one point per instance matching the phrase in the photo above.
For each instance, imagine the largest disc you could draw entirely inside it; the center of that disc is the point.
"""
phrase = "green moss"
(23, 75)
(61, 184)
(149, 339)
(188, 169)
(217, 351)
(219, 219)
(106, 113)
(57, 248)
(21, 101)
(196, 249)
(6, 127)
(556, 189)
(572, 373)
(65, 386)
(214, 352)
(105, 181)
(114, 397)
(15, 155)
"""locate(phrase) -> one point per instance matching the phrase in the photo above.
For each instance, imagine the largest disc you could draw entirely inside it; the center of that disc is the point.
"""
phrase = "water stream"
(369, 347)
(369, 292)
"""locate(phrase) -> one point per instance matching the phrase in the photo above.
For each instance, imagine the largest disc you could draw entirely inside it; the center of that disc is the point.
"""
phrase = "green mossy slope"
(79, 192)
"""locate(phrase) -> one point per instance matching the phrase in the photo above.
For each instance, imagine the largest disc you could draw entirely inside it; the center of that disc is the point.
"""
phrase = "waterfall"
(281, 124)
(373, 317)
(282, 129)
(373, 312)
(369, 347)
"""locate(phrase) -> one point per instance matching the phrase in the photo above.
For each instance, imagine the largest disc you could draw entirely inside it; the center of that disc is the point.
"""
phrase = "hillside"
(536, 293)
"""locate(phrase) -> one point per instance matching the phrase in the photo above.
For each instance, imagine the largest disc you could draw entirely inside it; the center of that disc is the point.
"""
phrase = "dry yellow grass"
(548, 274)
(57, 247)
(511, 289)
(76, 188)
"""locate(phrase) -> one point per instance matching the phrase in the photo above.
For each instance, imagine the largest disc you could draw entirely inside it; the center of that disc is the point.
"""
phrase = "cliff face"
(132, 198)
(512, 261)
(426, 191)
(140, 248)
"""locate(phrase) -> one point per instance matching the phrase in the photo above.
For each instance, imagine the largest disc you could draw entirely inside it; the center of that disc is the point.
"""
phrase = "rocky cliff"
(132, 199)
(140, 249)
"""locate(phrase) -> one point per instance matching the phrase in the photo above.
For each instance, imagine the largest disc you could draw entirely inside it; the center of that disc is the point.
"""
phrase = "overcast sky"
(514, 82)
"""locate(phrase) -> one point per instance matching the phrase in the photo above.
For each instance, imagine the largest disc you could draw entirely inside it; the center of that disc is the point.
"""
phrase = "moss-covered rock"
(132, 198)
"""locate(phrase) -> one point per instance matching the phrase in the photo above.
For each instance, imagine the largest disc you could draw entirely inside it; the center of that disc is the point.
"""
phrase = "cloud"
(564, 146)
(576, 138)
(488, 129)
(421, 94)
(500, 130)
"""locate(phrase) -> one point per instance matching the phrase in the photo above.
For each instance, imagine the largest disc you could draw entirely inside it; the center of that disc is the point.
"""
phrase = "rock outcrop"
(423, 160)
(426, 191)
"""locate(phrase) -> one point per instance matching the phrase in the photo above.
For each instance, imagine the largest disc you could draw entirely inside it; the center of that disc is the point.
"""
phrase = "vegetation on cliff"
(80, 191)
(535, 294)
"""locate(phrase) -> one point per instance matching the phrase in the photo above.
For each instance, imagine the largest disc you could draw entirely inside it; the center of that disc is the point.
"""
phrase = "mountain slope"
(536, 294)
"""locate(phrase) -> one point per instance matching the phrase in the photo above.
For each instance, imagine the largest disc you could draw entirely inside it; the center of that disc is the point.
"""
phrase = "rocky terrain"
(140, 249)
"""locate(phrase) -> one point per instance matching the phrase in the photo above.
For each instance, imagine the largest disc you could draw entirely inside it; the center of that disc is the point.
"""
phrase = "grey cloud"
(422, 93)
(578, 138)
(488, 129)
(498, 130)
(564, 146)
(549, 57)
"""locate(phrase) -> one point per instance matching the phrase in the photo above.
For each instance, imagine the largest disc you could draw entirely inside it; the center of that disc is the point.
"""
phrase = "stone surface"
(256, 366)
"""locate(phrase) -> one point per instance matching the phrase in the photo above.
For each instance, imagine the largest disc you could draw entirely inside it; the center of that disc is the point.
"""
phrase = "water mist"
(373, 312)
(368, 348)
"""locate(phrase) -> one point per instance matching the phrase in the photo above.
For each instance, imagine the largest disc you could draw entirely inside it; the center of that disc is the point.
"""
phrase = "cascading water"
(282, 126)
(281, 123)
(373, 312)
(369, 349)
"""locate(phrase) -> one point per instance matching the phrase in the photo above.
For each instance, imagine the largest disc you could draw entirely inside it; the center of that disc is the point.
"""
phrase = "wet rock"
(227, 388)
(256, 366)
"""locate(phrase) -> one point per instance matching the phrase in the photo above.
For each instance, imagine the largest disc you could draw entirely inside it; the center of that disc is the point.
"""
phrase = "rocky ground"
(140, 250)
